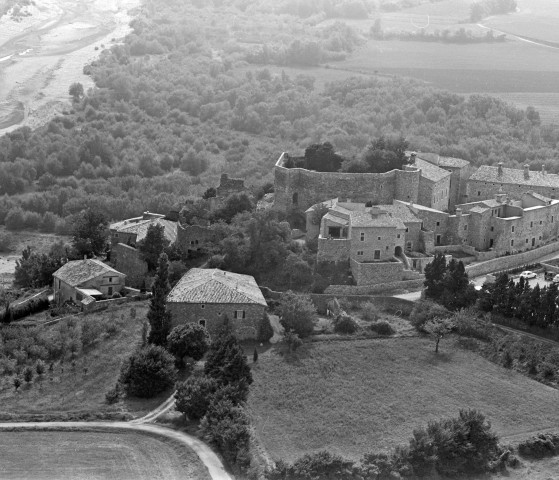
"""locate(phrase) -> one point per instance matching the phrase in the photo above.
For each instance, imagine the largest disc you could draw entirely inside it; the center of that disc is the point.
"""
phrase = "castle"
(389, 225)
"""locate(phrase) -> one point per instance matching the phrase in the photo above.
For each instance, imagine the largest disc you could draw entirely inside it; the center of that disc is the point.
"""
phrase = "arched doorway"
(398, 251)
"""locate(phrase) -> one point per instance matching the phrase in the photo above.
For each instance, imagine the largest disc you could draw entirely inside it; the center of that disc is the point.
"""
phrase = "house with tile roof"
(212, 297)
(85, 281)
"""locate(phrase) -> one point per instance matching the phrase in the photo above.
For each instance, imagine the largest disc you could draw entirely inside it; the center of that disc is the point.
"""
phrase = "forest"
(178, 103)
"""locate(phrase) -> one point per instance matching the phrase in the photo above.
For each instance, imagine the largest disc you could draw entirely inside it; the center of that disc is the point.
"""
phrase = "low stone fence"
(374, 289)
(510, 261)
(383, 302)
(467, 249)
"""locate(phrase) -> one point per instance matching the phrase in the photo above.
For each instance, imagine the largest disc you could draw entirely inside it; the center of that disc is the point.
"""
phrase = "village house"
(211, 297)
(85, 281)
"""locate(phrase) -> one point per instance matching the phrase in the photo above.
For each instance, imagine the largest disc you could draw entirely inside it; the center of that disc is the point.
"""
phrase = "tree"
(322, 158)
(458, 292)
(265, 330)
(148, 371)
(89, 234)
(438, 328)
(193, 396)
(34, 270)
(211, 192)
(297, 313)
(385, 154)
(76, 91)
(434, 275)
(190, 340)
(153, 245)
(233, 204)
(17, 383)
(226, 361)
(158, 316)
(255, 356)
(28, 374)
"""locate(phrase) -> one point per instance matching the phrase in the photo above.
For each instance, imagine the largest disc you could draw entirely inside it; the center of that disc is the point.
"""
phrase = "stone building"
(194, 237)
(84, 281)
(486, 181)
(228, 186)
(211, 297)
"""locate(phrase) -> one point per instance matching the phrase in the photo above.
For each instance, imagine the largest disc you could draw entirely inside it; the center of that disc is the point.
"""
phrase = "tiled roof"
(76, 272)
(441, 161)
(479, 209)
(365, 219)
(400, 210)
(515, 176)
(539, 197)
(200, 285)
(140, 228)
(342, 220)
(430, 171)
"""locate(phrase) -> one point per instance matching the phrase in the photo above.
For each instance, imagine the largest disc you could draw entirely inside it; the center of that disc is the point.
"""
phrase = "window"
(512, 243)
(531, 224)
(295, 198)
(540, 222)
(202, 306)
(398, 236)
(407, 230)
(512, 229)
(465, 227)
(526, 240)
(362, 237)
(110, 279)
(540, 237)
(240, 314)
(116, 235)
(438, 224)
(202, 323)
(360, 253)
(551, 218)
(492, 228)
(386, 247)
(478, 193)
(438, 239)
(377, 255)
(408, 246)
(378, 238)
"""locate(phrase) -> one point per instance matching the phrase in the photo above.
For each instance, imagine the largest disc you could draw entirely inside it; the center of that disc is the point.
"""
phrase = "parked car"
(528, 274)
(556, 278)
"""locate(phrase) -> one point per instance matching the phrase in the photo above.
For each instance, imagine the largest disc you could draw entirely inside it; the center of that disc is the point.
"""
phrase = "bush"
(540, 446)
(189, 339)
(382, 328)
(425, 310)
(113, 395)
(320, 465)
(345, 324)
(92, 329)
(369, 312)
(297, 313)
(469, 325)
(265, 330)
(28, 374)
(148, 371)
(6, 241)
(194, 395)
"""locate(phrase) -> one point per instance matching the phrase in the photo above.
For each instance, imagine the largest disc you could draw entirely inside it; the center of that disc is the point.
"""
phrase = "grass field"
(90, 455)
(70, 389)
(547, 104)
(368, 395)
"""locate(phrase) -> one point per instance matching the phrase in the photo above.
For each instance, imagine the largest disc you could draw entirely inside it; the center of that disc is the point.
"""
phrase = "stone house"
(84, 281)
(125, 235)
(194, 237)
(210, 297)
(228, 186)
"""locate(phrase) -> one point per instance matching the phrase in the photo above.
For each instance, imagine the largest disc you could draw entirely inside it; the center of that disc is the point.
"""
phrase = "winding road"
(206, 454)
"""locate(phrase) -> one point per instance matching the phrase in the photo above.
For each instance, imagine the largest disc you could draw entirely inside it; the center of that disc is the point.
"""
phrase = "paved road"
(207, 456)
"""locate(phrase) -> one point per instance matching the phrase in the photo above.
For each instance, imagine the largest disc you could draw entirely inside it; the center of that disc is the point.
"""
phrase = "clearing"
(361, 396)
(86, 455)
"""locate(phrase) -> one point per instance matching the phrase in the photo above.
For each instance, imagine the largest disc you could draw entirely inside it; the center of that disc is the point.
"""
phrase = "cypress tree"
(434, 274)
(158, 316)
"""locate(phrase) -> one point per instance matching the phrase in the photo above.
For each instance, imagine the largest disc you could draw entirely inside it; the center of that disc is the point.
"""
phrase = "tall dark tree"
(386, 154)
(153, 245)
(89, 234)
(434, 276)
(548, 306)
(226, 361)
(190, 340)
(322, 158)
(158, 316)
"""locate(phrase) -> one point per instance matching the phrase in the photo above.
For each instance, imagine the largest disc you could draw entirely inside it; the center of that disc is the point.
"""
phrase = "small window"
(239, 314)
(377, 255)
(551, 218)
(378, 238)
(116, 235)
(360, 253)
(540, 237)
(512, 243)
(202, 323)
(386, 247)
(526, 240)
(438, 224)
(478, 193)
(407, 230)
(362, 237)
(541, 222)
(110, 279)
(512, 229)
(492, 228)
(398, 236)
(202, 306)
(531, 224)
(465, 227)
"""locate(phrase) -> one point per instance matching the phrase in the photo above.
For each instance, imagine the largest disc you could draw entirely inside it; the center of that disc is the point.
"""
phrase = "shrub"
(540, 446)
(226, 361)
(292, 340)
(345, 324)
(265, 330)
(113, 395)
(40, 367)
(28, 374)
(369, 312)
(6, 241)
(382, 328)
(318, 465)
(425, 310)
(148, 371)
(189, 339)
(17, 382)
(194, 395)
(92, 329)
(469, 325)
(546, 371)
(297, 313)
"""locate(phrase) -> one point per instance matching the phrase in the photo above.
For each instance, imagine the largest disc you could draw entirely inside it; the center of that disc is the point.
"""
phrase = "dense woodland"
(180, 102)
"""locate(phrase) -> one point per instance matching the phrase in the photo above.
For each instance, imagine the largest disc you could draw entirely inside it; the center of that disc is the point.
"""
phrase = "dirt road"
(43, 51)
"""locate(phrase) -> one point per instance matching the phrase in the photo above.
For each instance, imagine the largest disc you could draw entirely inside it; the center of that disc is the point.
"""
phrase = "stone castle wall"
(298, 189)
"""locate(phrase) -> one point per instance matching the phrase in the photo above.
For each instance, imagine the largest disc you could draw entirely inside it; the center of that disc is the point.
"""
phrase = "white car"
(556, 278)
(528, 274)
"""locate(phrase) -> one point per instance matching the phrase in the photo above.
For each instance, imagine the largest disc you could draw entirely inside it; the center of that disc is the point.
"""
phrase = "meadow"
(361, 396)
(86, 455)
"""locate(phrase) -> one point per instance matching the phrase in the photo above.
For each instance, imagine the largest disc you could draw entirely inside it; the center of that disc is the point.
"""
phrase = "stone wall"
(382, 302)
(340, 290)
(376, 272)
(215, 314)
(194, 237)
(383, 240)
(228, 186)
(127, 260)
(298, 188)
(510, 261)
(434, 194)
(333, 250)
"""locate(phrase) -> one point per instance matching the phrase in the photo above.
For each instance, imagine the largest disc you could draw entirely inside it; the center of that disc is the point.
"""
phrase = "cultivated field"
(89, 455)
(69, 389)
(354, 397)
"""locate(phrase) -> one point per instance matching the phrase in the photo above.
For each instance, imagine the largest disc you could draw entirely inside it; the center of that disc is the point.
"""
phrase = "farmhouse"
(212, 297)
(84, 281)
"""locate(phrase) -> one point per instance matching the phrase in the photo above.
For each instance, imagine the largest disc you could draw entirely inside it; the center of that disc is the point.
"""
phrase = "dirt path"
(43, 53)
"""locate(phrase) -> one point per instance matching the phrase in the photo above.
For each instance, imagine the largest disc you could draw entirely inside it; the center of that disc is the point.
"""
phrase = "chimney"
(526, 171)
(500, 168)
(375, 211)
(458, 212)
(543, 169)
(413, 156)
